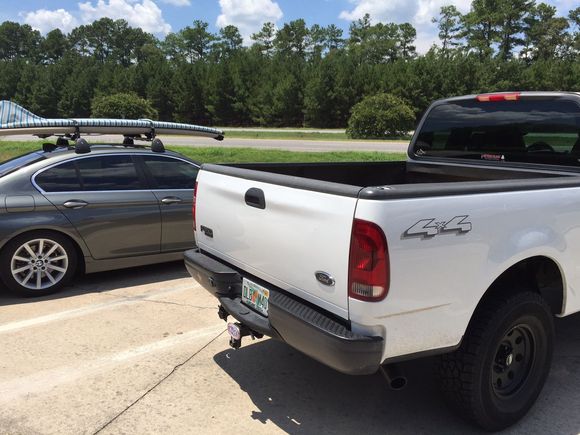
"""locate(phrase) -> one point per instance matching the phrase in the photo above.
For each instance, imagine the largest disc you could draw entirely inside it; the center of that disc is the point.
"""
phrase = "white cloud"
(417, 12)
(379, 10)
(177, 2)
(427, 9)
(45, 20)
(426, 29)
(248, 15)
(144, 13)
(138, 13)
(425, 41)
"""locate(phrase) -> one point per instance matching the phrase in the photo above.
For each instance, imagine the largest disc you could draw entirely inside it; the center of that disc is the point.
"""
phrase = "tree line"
(295, 75)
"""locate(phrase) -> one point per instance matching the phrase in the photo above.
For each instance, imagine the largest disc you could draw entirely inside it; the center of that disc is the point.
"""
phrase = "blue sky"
(163, 16)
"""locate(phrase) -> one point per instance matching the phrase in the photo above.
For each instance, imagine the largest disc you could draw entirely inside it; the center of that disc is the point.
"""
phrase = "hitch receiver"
(237, 331)
(222, 313)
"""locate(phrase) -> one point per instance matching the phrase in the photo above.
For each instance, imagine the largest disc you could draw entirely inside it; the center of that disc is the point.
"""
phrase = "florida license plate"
(255, 296)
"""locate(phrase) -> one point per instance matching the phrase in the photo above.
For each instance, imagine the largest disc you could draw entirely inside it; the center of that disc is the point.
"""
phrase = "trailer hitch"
(237, 331)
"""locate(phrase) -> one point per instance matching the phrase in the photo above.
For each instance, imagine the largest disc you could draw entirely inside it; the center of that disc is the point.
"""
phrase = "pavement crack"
(158, 383)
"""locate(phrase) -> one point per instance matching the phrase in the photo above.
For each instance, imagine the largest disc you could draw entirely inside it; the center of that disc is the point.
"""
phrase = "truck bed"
(390, 180)
(365, 174)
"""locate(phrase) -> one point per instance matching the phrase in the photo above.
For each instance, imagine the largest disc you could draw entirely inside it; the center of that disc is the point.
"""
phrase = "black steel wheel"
(503, 362)
(513, 361)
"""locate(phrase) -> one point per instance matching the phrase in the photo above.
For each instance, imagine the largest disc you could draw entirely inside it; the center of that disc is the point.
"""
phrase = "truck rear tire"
(503, 362)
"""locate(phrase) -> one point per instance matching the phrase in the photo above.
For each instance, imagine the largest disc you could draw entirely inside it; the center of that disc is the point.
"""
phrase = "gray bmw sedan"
(112, 207)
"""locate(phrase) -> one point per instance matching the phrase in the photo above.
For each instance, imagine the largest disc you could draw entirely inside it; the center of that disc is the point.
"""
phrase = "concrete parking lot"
(142, 351)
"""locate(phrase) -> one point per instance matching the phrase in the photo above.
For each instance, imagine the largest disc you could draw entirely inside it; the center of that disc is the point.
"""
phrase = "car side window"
(169, 173)
(103, 173)
(60, 178)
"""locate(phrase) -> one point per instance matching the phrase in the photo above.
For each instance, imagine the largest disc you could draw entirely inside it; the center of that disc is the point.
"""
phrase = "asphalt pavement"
(142, 351)
(280, 144)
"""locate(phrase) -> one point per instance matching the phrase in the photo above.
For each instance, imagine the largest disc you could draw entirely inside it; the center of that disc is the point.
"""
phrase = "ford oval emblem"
(324, 278)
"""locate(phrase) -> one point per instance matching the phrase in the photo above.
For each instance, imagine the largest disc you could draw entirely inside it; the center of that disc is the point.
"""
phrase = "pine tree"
(450, 27)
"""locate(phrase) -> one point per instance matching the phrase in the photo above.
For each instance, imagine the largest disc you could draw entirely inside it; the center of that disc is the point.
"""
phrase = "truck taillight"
(193, 208)
(368, 276)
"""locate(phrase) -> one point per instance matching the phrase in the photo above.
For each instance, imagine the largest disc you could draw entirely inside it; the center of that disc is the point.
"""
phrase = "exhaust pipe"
(394, 376)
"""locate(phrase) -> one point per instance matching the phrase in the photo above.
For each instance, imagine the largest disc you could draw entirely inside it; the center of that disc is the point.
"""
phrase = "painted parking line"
(79, 312)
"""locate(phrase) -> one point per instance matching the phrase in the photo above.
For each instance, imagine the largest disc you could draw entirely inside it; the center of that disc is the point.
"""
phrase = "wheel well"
(539, 274)
(77, 248)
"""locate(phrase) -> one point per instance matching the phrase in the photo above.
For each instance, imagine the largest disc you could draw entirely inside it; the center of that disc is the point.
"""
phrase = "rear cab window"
(531, 129)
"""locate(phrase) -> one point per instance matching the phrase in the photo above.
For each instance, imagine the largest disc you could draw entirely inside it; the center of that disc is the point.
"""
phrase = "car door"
(108, 202)
(172, 180)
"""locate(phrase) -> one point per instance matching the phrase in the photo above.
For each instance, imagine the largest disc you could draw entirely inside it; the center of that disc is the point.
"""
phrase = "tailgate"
(296, 234)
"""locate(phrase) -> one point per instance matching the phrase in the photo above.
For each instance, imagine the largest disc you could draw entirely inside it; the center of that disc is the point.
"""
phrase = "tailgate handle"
(255, 198)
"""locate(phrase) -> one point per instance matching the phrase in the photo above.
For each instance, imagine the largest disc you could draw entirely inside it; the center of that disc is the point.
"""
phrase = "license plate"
(255, 296)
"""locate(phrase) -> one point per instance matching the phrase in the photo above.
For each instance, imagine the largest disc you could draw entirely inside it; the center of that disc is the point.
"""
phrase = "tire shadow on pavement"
(106, 281)
(300, 395)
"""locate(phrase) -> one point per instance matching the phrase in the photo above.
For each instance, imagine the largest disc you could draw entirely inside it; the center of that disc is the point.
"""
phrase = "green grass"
(295, 135)
(10, 149)
(248, 155)
(233, 155)
(559, 141)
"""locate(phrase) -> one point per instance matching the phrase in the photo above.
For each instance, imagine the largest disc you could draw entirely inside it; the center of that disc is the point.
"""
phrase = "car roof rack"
(81, 146)
(15, 119)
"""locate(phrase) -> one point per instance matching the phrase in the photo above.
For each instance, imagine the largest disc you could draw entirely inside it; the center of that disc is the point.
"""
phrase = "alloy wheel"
(39, 264)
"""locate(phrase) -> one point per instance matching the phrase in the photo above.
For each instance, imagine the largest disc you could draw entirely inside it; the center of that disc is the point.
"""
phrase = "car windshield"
(529, 130)
(19, 162)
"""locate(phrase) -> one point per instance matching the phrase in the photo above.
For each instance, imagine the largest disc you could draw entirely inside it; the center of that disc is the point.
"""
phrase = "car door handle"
(171, 200)
(75, 203)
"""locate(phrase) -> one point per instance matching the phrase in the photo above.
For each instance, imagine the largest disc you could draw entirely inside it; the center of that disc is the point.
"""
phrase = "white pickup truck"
(468, 250)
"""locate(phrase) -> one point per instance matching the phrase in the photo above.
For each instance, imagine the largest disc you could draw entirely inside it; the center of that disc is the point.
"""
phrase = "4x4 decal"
(433, 227)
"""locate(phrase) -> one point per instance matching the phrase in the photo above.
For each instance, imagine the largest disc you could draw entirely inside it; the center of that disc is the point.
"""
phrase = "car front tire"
(37, 263)
(503, 362)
